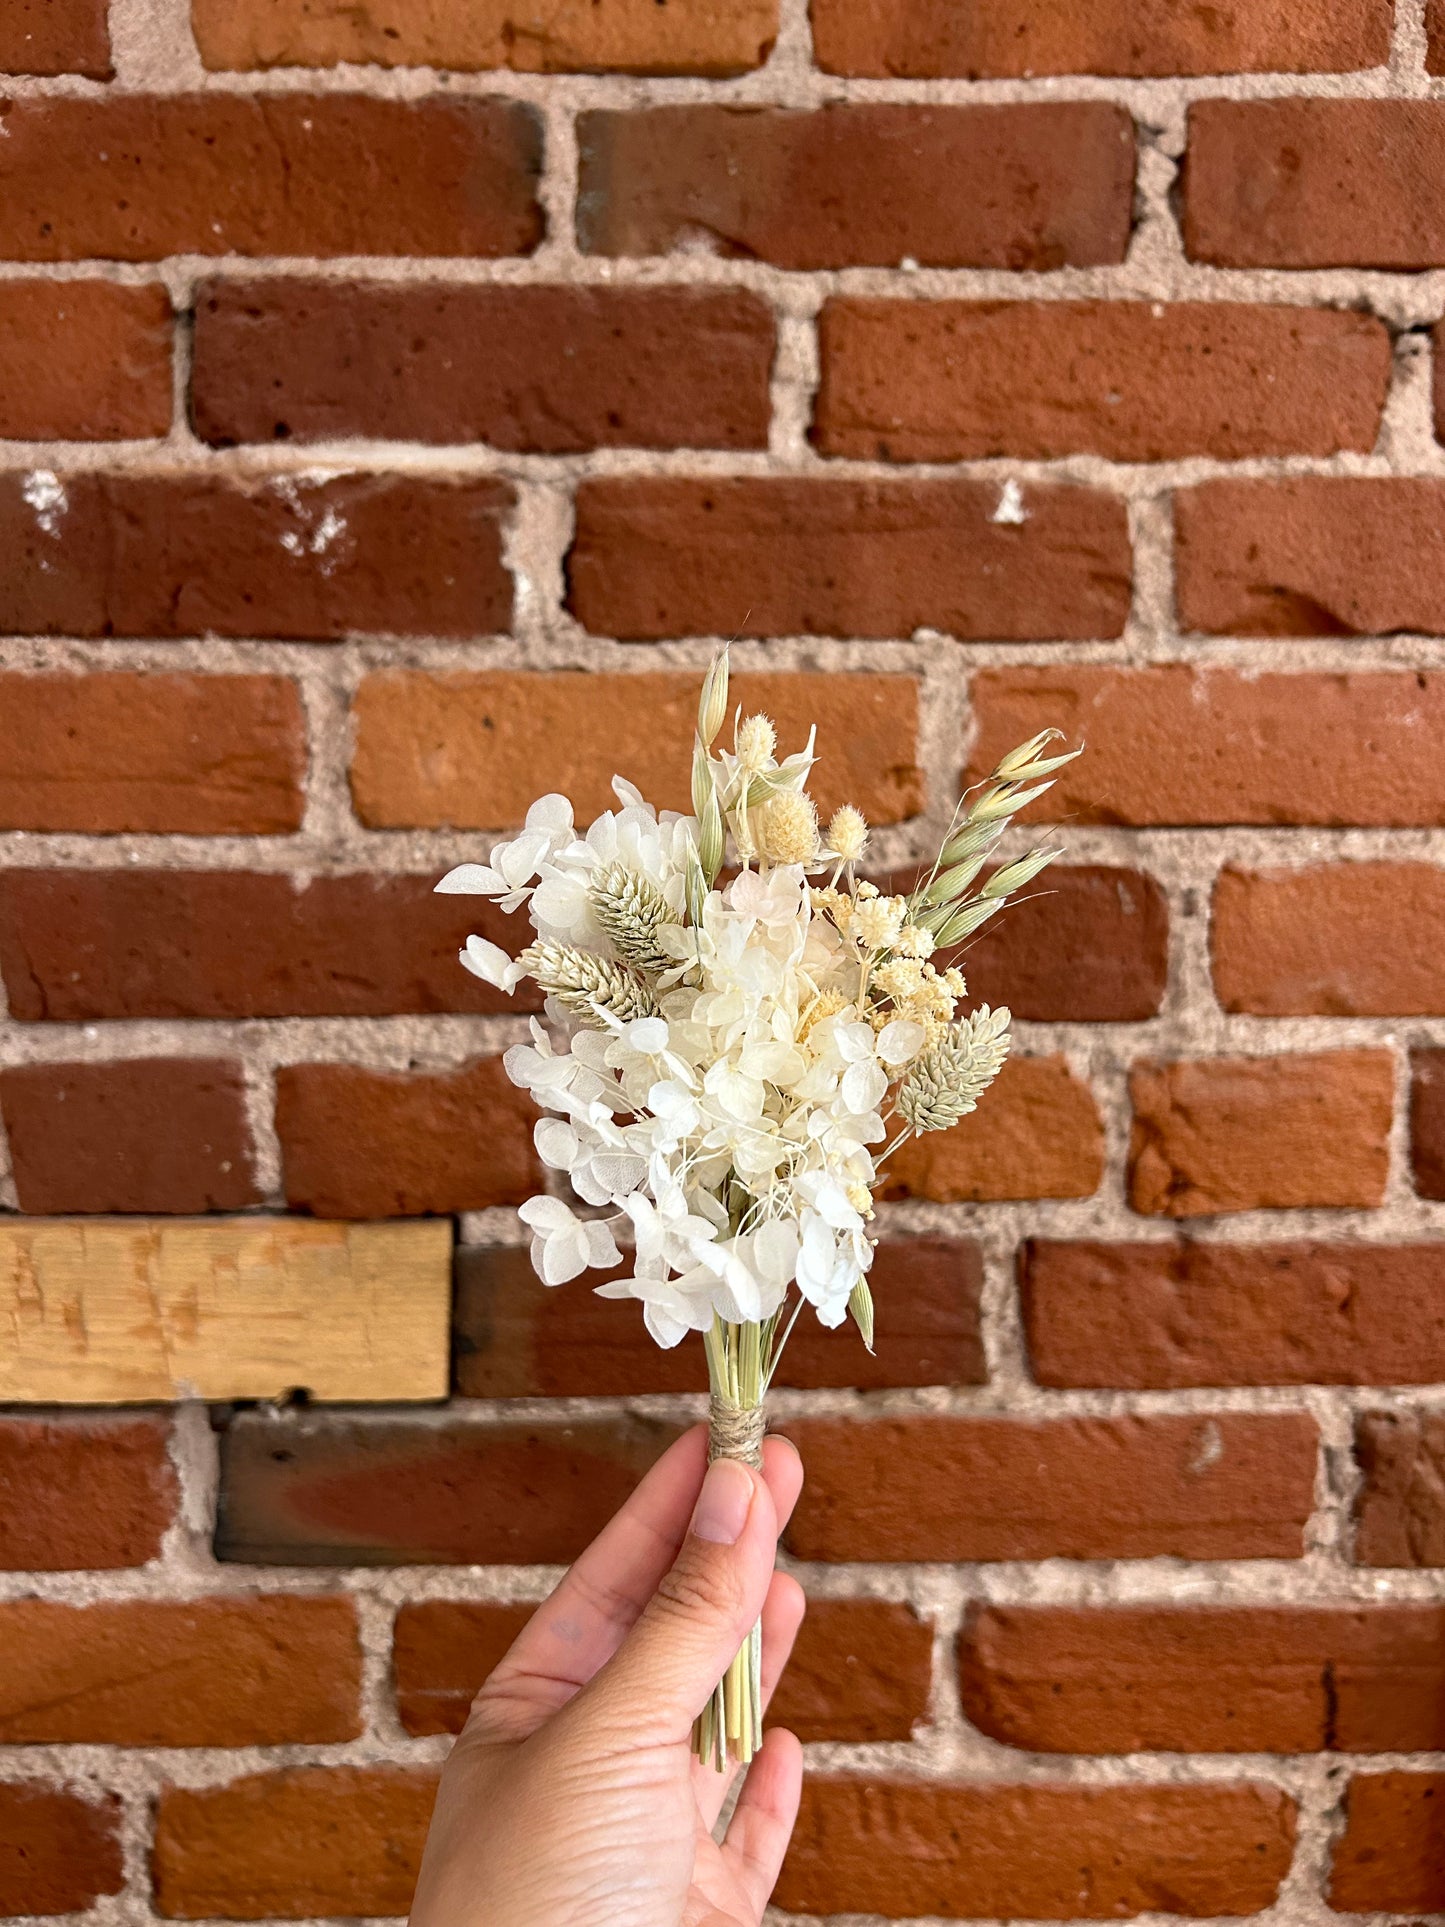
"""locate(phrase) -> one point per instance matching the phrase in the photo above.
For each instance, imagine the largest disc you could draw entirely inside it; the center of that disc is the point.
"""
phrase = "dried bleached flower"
(950, 1077)
(790, 828)
(847, 834)
(588, 985)
(757, 741)
(878, 920)
(630, 911)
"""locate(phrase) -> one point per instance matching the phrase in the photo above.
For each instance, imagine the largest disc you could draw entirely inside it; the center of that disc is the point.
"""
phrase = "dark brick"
(171, 555)
(82, 1491)
(660, 556)
(921, 1487)
(321, 1491)
(1400, 1506)
(136, 177)
(58, 1852)
(143, 1134)
(360, 1143)
(1173, 1313)
(1038, 186)
(548, 370)
(82, 944)
(518, 1339)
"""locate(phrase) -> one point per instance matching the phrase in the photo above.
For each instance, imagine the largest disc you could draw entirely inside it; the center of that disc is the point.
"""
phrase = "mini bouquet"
(722, 1058)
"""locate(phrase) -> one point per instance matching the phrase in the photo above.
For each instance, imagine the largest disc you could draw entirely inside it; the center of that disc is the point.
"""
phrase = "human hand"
(572, 1798)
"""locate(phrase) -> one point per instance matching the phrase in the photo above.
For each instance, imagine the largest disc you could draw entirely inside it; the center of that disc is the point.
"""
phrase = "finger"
(653, 1688)
(762, 1826)
(575, 1631)
(782, 1615)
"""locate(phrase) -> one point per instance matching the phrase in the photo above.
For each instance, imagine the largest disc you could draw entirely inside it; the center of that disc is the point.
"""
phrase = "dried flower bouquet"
(721, 1060)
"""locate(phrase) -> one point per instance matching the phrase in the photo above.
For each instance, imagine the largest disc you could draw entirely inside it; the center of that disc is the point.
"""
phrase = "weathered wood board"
(117, 1311)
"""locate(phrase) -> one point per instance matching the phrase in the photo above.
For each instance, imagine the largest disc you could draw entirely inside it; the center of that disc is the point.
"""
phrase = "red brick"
(390, 1491)
(442, 1650)
(1300, 183)
(1139, 381)
(83, 1492)
(948, 1489)
(631, 36)
(859, 1672)
(55, 37)
(1312, 555)
(77, 945)
(550, 370)
(1388, 1857)
(1260, 1133)
(1050, 185)
(84, 361)
(1333, 940)
(206, 1672)
(58, 1852)
(1427, 1122)
(1176, 744)
(899, 1848)
(517, 1339)
(293, 1844)
(1090, 945)
(1434, 37)
(1400, 1506)
(360, 1143)
(136, 177)
(1225, 1679)
(1035, 1134)
(660, 556)
(472, 749)
(1164, 1315)
(304, 558)
(142, 1134)
(917, 39)
(140, 750)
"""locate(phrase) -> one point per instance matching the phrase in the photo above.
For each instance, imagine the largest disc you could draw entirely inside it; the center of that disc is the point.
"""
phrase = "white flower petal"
(901, 1040)
(548, 1216)
(492, 964)
(557, 1144)
(563, 1259)
(664, 1327)
(601, 1246)
(551, 812)
(864, 1087)
(471, 880)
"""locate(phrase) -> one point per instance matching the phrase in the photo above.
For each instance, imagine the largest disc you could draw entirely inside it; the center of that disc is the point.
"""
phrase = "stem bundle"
(739, 1363)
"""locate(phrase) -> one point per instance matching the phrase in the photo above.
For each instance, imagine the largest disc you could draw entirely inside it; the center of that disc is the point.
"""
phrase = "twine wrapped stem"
(735, 1431)
(730, 1727)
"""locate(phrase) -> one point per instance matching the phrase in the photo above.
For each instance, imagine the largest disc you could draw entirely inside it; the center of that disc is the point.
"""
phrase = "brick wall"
(397, 402)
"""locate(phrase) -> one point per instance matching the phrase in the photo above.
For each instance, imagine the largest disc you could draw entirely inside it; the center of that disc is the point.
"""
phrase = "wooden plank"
(123, 1311)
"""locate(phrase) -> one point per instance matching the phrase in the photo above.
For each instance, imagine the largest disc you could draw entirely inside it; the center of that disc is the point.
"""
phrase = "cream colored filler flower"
(728, 1069)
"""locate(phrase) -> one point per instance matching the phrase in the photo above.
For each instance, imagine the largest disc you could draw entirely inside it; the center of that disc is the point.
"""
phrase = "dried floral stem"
(730, 1726)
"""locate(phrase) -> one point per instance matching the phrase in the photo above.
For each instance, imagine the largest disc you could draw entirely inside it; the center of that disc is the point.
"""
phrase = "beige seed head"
(756, 741)
(790, 828)
(848, 833)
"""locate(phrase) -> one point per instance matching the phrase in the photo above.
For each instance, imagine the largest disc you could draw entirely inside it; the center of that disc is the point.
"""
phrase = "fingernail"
(723, 1504)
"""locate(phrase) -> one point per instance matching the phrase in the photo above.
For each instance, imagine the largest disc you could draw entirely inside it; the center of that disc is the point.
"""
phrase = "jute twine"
(735, 1431)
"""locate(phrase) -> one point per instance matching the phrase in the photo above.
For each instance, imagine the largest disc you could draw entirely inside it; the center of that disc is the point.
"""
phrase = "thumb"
(660, 1678)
